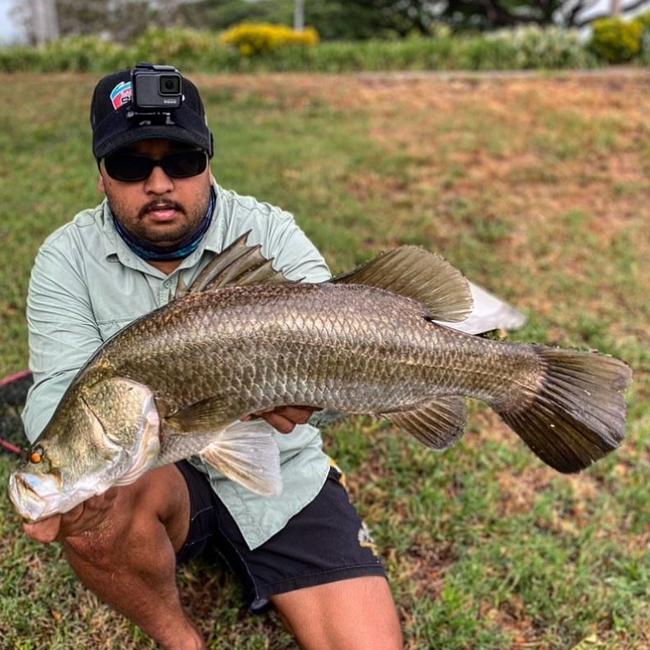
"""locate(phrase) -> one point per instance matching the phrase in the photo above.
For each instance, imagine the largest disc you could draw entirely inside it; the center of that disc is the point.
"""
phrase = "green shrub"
(81, 53)
(19, 58)
(644, 21)
(188, 49)
(536, 47)
(77, 53)
(194, 50)
(616, 40)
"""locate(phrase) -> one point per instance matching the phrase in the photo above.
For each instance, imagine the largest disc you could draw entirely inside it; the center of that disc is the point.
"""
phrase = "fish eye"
(37, 455)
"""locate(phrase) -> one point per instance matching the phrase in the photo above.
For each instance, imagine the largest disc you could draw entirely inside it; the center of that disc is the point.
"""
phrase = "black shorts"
(325, 542)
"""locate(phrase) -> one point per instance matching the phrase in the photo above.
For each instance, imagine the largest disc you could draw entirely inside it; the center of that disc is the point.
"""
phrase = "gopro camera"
(156, 88)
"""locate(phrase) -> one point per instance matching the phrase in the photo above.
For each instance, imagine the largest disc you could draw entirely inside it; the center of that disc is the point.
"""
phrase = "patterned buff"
(184, 248)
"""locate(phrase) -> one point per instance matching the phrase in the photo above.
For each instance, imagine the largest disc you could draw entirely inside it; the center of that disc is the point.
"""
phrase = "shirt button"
(166, 284)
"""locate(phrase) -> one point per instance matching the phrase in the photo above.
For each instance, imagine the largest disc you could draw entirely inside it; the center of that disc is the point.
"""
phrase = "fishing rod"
(12, 449)
(13, 391)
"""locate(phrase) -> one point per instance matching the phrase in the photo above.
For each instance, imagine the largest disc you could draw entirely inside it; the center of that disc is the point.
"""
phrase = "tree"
(493, 14)
(119, 19)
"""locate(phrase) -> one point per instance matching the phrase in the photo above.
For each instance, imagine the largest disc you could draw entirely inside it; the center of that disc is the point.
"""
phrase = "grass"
(538, 190)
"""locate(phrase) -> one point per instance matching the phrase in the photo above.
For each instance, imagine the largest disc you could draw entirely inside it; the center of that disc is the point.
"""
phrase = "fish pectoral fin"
(247, 453)
(438, 424)
(238, 264)
(416, 273)
(201, 417)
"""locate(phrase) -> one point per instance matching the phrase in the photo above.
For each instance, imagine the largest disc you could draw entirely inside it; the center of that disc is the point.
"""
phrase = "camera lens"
(170, 85)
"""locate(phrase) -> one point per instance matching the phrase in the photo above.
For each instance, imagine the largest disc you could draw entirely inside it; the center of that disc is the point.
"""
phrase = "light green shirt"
(87, 284)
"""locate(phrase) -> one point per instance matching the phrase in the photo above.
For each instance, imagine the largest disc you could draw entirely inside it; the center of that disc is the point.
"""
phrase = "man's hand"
(86, 516)
(285, 418)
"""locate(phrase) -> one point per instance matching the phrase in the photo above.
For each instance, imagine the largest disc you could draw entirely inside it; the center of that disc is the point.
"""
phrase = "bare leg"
(129, 560)
(354, 614)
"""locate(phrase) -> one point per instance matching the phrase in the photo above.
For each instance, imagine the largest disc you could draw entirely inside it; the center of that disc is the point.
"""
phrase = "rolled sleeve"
(62, 332)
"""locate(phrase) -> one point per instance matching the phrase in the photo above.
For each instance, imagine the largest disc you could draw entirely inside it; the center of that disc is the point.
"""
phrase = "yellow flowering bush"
(262, 38)
(616, 40)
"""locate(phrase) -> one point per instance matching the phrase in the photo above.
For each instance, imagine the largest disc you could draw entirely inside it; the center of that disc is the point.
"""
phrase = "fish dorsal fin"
(438, 424)
(416, 273)
(247, 453)
(238, 264)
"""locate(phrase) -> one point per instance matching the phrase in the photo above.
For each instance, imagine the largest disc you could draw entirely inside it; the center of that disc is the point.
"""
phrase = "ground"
(536, 187)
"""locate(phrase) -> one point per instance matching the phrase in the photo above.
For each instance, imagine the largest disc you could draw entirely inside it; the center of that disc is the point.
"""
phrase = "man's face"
(159, 209)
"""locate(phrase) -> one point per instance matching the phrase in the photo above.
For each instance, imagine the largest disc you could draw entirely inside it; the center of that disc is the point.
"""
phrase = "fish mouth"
(34, 496)
(37, 497)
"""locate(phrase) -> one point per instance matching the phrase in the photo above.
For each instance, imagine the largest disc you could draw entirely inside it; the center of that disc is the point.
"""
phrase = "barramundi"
(243, 339)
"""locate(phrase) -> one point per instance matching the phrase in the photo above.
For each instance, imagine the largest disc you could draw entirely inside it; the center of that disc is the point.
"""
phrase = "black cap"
(114, 129)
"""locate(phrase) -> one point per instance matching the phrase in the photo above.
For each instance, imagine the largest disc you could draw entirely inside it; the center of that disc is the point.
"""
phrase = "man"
(163, 219)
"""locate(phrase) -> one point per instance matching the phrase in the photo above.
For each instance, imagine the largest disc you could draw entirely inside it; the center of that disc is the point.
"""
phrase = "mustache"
(158, 205)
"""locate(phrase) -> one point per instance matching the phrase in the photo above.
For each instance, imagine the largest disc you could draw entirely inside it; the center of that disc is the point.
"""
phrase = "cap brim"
(168, 132)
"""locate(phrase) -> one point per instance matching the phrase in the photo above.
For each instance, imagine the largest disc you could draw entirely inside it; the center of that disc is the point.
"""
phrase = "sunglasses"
(132, 167)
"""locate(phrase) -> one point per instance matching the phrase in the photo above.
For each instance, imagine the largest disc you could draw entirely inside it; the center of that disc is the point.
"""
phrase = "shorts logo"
(365, 539)
(121, 94)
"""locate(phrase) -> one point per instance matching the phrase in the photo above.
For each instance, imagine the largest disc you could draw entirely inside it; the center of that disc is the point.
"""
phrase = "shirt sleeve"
(294, 253)
(62, 332)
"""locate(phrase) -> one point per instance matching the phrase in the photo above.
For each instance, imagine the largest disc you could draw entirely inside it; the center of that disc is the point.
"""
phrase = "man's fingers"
(278, 422)
(45, 531)
(95, 510)
(296, 414)
(87, 515)
(284, 418)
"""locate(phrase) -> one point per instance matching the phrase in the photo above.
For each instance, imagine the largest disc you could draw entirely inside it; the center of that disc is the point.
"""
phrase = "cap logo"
(121, 94)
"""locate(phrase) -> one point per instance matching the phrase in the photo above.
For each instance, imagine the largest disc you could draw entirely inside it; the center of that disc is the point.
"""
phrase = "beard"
(186, 222)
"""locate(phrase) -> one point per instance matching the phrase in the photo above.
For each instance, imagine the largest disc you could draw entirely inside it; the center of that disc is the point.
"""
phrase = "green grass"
(540, 195)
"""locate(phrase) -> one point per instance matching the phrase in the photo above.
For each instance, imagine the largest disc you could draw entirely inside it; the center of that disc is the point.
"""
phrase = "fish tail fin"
(576, 413)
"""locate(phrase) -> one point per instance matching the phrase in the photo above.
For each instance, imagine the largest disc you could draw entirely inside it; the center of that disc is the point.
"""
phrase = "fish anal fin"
(438, 424)
(237, 264)
(247, 453)
(419, 274)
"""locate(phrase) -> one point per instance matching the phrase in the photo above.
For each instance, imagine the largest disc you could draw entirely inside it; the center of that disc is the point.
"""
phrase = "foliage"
(223, 14)
(76, 53)
(537, 47)
(188, 49)
(644, 20)
(253, 39)
(124, 20)
(616, 40)
(494, 14)
(118, 20)
(192, 50)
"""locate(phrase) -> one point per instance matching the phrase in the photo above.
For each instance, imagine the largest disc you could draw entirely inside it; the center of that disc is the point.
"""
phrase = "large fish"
(241, 339)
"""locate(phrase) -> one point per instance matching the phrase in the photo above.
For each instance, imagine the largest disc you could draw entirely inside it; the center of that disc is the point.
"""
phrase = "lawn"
(536, 188)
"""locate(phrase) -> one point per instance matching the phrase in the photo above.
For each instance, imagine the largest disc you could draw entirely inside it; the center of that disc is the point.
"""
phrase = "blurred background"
(613, 31)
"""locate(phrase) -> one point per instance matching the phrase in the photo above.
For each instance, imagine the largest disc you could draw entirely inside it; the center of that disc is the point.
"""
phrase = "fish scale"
(238, 325)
